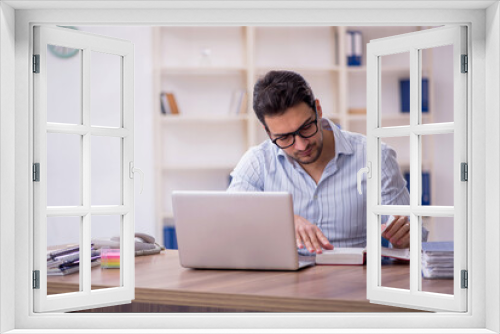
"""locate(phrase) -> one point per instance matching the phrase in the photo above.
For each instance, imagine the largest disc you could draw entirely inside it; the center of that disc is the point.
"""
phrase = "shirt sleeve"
(394, 191)
(393, 185)
(248, 174)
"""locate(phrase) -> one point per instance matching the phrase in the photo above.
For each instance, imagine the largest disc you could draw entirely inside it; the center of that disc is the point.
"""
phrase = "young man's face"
(301, 116)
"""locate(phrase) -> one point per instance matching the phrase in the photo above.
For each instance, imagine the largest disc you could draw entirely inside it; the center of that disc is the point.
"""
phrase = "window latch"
(368, 171)
(133, 170)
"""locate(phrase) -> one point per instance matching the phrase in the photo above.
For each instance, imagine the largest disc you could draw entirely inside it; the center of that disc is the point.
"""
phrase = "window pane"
(395, 167)
(395, 89)
(105, 232)
(63, 169)
(63, 241)
(106, 170)
(395, 264)
(105, 89)
(64, 85)
(439, 62)
(438, 255)
(437, 169)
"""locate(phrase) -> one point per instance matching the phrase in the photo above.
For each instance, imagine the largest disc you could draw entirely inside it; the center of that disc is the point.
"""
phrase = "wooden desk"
(162, 285)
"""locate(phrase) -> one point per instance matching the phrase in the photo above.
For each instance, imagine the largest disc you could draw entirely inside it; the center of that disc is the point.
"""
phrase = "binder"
(170, 237)
(426, 186)
(404, 88)
(354, 48)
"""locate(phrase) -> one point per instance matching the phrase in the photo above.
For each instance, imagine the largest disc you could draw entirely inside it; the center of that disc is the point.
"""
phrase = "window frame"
(483, 307)
(413, 44)
(87, 130)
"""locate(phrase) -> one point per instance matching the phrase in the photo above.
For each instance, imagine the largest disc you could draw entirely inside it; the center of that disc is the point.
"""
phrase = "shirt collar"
(342, 145)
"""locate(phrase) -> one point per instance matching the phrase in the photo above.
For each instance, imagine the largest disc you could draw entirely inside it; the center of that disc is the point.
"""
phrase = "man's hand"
(310, 235)
(398, 233)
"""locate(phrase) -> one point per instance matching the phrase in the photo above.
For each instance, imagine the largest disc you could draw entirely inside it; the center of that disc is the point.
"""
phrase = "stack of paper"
(67, 260)
(437, 259)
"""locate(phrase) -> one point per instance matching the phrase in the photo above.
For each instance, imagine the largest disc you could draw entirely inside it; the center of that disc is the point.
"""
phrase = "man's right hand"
(310, 236)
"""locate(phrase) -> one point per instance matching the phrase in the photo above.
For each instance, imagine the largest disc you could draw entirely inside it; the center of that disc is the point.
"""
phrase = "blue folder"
(426, 186)
(169, 237)
(404, 85)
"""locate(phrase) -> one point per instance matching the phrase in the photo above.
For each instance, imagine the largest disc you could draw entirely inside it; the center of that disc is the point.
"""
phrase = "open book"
(357, 256)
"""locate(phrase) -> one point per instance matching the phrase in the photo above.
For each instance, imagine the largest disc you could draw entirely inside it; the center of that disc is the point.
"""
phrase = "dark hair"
(279, 90)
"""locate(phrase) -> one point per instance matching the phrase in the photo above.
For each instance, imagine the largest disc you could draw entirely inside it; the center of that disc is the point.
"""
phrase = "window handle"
(368, 171)
(133, 170)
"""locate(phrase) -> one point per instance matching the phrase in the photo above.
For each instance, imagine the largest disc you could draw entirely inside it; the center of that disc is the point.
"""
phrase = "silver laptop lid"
(235, 230)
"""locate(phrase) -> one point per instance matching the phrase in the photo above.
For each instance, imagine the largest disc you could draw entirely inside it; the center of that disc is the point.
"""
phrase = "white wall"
(141, 37)
(7, 168)
(491, 155)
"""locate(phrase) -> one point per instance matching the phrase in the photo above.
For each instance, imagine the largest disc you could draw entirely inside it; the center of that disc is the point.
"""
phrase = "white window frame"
(414, 43)
(483, 125)
(87, 44)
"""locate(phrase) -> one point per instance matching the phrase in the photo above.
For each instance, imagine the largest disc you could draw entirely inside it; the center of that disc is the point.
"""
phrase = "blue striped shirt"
(333, 204)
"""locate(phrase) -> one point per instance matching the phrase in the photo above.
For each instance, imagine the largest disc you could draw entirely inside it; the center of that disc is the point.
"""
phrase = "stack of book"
(437, 260)
(67, 260)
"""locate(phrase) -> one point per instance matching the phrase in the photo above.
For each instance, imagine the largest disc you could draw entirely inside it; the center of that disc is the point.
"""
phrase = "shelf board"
(333, 68)
(180, 118)
(397, 117)
(197, 168)
(206, 70)
(385, 69)
(167, 215)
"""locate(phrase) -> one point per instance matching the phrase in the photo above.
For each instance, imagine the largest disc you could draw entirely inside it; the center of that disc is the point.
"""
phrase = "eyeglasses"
(305, 131)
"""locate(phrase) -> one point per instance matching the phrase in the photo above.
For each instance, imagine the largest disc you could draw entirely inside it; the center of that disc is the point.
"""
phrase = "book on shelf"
(239, 102)
(165, 108)
(426, 185)
(354, 48)
(172, 103)
(168, 104)
(404, 90)
(437, 260)
(357, 255)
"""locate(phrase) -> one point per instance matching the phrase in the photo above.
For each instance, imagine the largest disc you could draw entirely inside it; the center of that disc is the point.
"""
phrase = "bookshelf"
(204, 66)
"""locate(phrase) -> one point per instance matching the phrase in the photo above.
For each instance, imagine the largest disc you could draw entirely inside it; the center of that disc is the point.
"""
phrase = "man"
(317, 163)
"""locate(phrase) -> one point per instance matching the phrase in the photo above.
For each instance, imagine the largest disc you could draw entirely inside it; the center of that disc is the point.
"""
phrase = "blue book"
(426, 186)
(404, 85)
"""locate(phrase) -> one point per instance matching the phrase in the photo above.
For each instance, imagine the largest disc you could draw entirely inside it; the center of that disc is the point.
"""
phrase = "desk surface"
(161, 280)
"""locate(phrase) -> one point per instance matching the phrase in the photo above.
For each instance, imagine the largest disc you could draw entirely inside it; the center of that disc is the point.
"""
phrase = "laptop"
(236, 230)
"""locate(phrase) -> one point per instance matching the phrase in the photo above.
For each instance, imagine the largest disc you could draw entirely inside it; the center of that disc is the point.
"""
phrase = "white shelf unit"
(203, 66)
